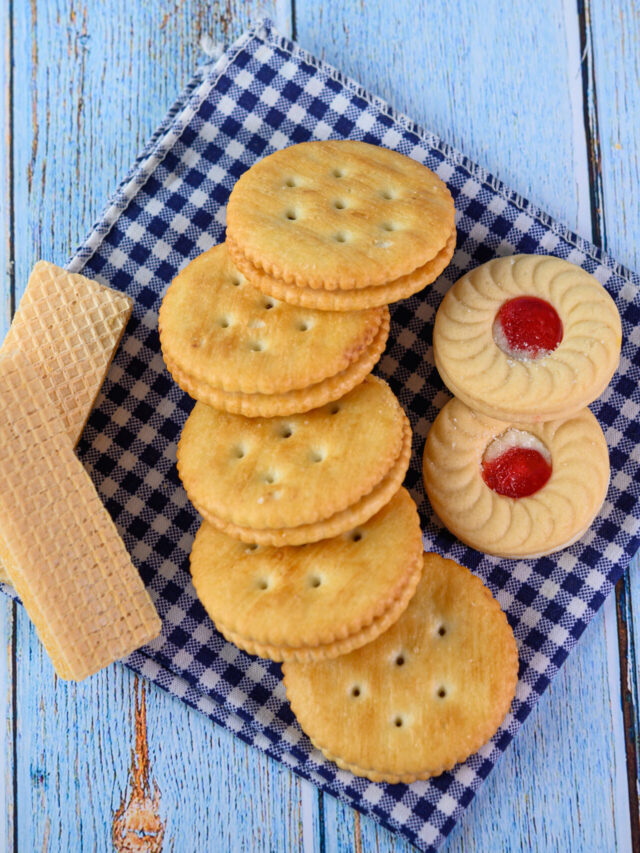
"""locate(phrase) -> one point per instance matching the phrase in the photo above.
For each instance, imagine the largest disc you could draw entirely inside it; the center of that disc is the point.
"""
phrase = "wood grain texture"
(502, 81)
(614, 36)
(490, 90)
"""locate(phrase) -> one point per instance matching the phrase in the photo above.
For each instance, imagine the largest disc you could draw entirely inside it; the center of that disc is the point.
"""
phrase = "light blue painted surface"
(501, 81)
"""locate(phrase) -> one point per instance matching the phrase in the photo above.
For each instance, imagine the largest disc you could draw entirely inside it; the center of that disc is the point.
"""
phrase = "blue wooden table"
(545, 95)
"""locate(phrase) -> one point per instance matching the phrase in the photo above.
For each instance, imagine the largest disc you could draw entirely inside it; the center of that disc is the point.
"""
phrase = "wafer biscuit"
(291, 402)
(70, 327)
(339, 215)
(348, 300)
(275, 473)
(312, 601)
(337, 523)
(421, 697)
(64, 555)
(219, 330)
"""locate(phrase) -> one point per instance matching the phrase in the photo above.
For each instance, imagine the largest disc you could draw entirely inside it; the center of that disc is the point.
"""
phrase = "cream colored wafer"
(348, 300)
(421, 697)
(339, 215)
(219, 330)
(64, 555)
(313, 601)
(338, 523)
(69, 327)
(284, 472)
(292, 402)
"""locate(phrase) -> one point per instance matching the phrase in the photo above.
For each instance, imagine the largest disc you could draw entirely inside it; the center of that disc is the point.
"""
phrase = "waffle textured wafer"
(65, 557)
(70, 327)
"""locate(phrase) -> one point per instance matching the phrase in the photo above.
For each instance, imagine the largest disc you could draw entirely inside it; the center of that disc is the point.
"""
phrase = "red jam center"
(517, 473)
(531, 327)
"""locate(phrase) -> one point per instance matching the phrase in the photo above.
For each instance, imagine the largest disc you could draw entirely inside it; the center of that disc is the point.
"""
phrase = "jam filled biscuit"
(339, 216)
(234, 348)
(527, 338)
(515, 490)
(313, 601)
(424, 695)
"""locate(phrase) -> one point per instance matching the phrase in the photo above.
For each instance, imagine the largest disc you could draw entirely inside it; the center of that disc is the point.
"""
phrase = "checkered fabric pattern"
(265, 93)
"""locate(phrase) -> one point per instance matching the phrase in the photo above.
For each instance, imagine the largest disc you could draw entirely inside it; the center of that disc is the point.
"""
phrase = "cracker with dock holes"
(274, 473)
(234, 348)
(312, 601)
(338, 215)
(421, 697)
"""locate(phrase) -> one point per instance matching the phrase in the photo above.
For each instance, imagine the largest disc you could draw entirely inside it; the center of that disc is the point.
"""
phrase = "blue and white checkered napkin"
(265, 93)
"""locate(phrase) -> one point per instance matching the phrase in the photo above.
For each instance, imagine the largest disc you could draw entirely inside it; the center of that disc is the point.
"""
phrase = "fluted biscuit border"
(549, 520)
(489, 380)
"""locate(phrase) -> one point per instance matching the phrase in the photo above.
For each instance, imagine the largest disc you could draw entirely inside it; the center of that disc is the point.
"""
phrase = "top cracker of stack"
(340, 225)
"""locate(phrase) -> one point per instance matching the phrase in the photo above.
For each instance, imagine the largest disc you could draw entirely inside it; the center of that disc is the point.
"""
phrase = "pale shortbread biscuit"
(61, 548)
(69, 326)
(335, 524)
(218, 330)
(424, 695)
(339, 215)
(350, 300)
(313, 601)
(548, 520)
(493, 381)
(284, 472)
(291, 402)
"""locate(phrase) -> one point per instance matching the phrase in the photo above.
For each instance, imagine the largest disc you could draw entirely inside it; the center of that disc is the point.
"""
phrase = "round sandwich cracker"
(290, 402)
(515, 490)
(527, 338)
(313, 601)
(284, 472)
(221, 332)
(424, 695)
(348, 300)
(339, 215)
(333, 525)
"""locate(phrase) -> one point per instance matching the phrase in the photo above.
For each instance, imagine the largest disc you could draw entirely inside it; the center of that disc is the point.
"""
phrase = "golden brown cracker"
(338, 523)
(349, 300)
(310, 601)
(424, 695)
(291, 402)
(339, 215)
(285, 472)
(219, 330)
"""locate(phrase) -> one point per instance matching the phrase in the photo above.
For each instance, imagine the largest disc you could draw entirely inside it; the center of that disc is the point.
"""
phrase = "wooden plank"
(490, 89)
(75, 742)
(7, 607)
(613, 60)
(77, 129)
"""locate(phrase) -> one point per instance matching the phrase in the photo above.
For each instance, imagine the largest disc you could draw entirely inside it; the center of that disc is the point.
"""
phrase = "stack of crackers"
(58, 545)
(397, 664)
